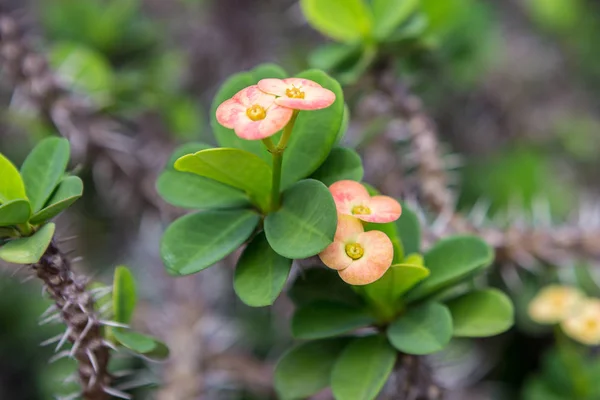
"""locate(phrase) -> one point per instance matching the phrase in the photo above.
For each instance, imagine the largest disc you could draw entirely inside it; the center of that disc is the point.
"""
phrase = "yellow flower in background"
(554, 303)
(584, 325)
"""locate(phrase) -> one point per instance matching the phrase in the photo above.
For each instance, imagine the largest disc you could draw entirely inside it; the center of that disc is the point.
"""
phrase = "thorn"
(106, 307)
(51, 340)
(72, 378)
(63, 339)
(58, 356)
(479, 211)
(17, 270)
(66, 239)
(92, 381)
(51, 318)
(110, 345)
(124, 373)
(113, 324)
(71, 396)
(100, 292)
(77, 259)
(27, 279)
(92, 359)
(66, 305)
(44, 289)
(49, 310)
(116, 393)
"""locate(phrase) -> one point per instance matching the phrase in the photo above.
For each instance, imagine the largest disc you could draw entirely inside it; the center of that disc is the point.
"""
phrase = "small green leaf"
(422, 330)
(233, 167)
(319, 283)
(14, 212)
(342, 163)
(481, 313)
(344, 128)
(306, 222)
(260, 274)
(11, 184)
(363, 368)
(124, 295)
(141, 344)
(197, 241)
(333, 56)
(323, 319)
(390, 14)
(69, 190)
(409, 230)
(30, 249)
(452, 260)
(43, 169)
(342, 20)
(305, 369)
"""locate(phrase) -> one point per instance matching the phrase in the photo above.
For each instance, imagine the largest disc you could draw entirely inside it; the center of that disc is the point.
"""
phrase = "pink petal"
(300, 82)
(273, 86)
(253, 95)
(348, 228)
(335, 257)
(247, 129)
(348, 194)
(383, 209)
(229, 112)
(277, 118)
(315, 98)
(377, 258)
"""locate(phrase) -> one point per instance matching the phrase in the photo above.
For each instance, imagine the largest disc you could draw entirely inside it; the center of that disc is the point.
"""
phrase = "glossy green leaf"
(389, 14)
(409, 230)
(344, 128)
(43, 169)
(342, 163)
(28, 250)
(305, 369)
(188, 190)
(141, 344)
(323, 319)
(237, 168)
(314, 134)
(197, 241)
(451, 260)
(422, 330)
(69, 190)
(320, 283)
(124, 295)
(226, 137)
(342, 20)
(14, 212)
(363, 368)
(306, 222)
(481, 313)
(260, 274)
(11, 184)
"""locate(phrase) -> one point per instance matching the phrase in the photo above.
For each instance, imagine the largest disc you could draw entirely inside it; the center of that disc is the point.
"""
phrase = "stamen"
(354, 250)
(294, 93)
(361, 210)
(256, 112)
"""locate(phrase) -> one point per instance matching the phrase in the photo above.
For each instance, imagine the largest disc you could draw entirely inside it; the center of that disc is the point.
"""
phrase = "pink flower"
(583, 325)
(253, 114)
(351, 198)
(298, 93)
(359, 257)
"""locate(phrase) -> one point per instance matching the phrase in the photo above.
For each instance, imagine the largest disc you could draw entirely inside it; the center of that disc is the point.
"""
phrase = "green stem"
(270, 145)
(25, 229)
(287, 132)
(574, 368)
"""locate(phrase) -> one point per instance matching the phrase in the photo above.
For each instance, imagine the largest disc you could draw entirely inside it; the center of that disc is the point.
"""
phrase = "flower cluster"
(262, 110)
(578, 315)
(360, 257)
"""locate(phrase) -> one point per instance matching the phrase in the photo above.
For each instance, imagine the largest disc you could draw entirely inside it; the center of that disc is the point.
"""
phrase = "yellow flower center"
(294, 93)
(256, 112)
(361, 210)
(591, 325)
(354, 251)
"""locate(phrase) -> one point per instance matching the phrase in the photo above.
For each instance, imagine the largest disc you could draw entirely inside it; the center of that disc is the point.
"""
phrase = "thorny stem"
(277, 153)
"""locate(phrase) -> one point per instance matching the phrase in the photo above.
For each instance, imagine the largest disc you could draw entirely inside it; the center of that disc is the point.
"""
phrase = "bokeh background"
(514, 89)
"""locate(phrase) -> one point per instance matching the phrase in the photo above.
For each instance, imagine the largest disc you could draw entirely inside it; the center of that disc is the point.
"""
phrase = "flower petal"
(584, 325)
(377, 258)
(315, 98)
(277, 118)
(300, 83)
(348, 194)
(253, 95)
(554, 303)
(229, 112)
(247, 129)
(273, 86)
(334, 256)
(348, 228)
(383, 209)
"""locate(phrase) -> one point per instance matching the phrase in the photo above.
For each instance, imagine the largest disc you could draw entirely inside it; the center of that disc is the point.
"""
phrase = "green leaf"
(342, 20)
(363, 368)
(14, 212)
(260, 274)
(314, 134)
(188, 190)
(389, 14)
(409, 230)
(197, 241)
(30, 249)
(452, 260)
(343, 129)
(306, 222)
(233, 167)
(141, 344)
(422, 330)
(11, 184)
(322, 284)
(124, 295)
(323, 319)
(342, 163)
(69, 190)
(306, 369)
(43, 169)
(481, 313)
(226, 137)
(334, 56)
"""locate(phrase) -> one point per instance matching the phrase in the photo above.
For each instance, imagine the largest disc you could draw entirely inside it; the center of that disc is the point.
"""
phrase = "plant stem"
(25, 229)
(287, 132)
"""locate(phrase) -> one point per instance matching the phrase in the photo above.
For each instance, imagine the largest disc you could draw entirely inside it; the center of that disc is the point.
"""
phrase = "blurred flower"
(297, 93)
(351, 198)
(359, 257)
(554, 303)
(253, 114)
(584, 325)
